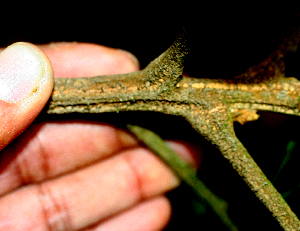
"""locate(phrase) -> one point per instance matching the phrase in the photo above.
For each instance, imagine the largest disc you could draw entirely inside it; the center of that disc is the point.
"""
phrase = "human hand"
(73, 175)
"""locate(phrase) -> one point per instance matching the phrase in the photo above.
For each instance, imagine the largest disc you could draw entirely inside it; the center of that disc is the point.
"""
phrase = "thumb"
(26, 82)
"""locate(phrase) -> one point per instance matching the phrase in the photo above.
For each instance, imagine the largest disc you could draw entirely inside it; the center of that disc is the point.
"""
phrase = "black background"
(225, 39)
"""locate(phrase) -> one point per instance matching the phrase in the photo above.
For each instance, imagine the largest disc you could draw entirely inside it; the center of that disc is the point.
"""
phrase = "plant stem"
(184, 171)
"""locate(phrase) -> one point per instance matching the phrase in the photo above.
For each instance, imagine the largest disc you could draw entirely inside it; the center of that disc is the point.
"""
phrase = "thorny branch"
(209, 105)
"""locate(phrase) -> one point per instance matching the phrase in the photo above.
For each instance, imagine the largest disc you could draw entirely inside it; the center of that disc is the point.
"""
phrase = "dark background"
(225, 41)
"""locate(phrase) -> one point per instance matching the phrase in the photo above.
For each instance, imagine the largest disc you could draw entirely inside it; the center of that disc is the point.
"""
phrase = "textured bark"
(209, 105)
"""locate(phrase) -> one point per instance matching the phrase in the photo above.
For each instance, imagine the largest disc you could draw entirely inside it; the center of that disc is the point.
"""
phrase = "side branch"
(218, 129)
(167, 69)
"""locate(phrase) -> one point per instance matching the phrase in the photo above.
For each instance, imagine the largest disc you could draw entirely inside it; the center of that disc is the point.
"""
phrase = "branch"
(206, 103)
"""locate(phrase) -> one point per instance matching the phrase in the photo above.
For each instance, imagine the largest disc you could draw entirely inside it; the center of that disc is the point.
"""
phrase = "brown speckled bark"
(209, 105)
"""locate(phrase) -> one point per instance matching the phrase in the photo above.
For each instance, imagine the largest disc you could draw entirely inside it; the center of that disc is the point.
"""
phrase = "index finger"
(86, 60)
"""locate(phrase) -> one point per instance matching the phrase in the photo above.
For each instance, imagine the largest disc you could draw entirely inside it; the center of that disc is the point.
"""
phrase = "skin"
(79, 175)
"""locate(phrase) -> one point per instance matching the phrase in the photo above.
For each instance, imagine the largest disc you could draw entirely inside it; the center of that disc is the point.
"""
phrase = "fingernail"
(21, 70)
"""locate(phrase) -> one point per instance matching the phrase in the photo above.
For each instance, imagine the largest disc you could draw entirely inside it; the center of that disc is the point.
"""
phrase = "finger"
(48, 150)
(85, 60)
(26, 82)
(85, 197)
(153, 214)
